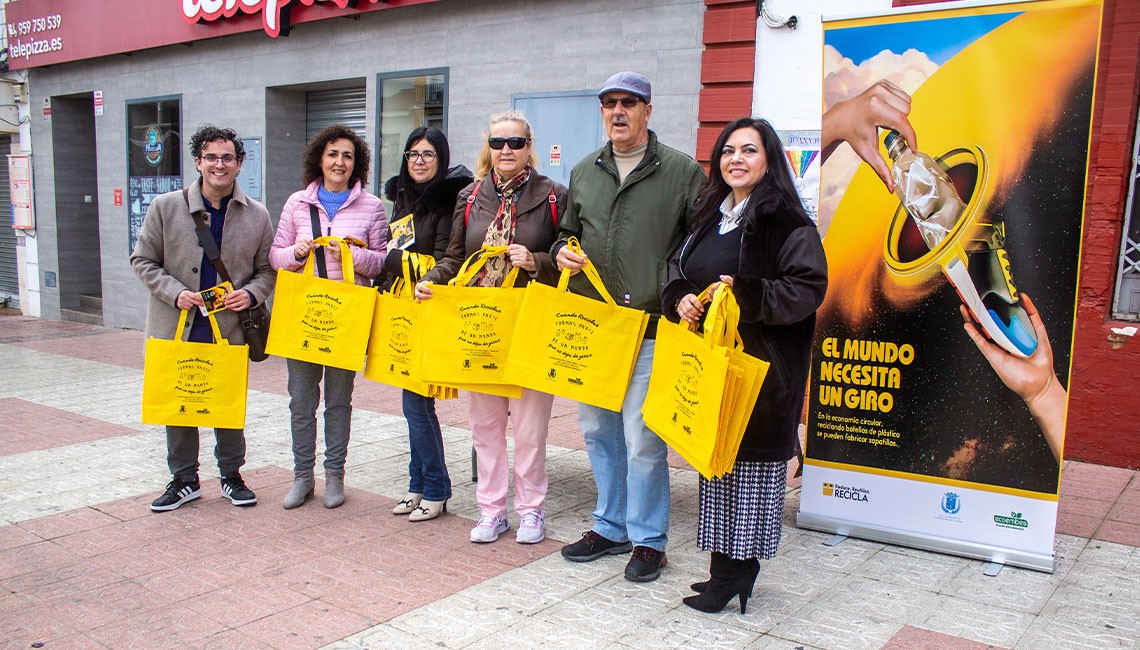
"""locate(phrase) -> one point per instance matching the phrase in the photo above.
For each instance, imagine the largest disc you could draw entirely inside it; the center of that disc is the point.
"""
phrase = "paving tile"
(1052, 633)
(243, 601)
(912, 568)
(1118, 556)
(1013, 588)
(454, 622)
(310, 625)
(1120, 532)
(975, 621)
(168, 627)
(825, 627)
(28, 426)
(12, 536)
(687, 628)
(916, 638)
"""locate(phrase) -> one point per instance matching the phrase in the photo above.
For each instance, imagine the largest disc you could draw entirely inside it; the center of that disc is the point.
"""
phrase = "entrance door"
(77, 257)
(567, 128)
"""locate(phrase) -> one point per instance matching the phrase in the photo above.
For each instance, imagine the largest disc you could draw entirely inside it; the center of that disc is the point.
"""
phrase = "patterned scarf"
(501, 232)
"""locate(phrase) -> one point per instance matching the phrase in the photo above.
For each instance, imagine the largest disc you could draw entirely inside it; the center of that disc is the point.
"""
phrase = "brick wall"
(728, 69)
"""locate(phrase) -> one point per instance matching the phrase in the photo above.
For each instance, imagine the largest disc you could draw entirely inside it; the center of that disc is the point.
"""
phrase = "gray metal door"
(340, 106)
(9, 272)
(567, 127)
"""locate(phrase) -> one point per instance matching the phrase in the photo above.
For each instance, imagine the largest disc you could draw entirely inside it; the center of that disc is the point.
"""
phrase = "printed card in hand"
(403, 232)
(215, 298)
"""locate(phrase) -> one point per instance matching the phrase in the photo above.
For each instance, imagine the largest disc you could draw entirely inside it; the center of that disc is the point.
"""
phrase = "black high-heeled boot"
(700, 587)
(729, 578)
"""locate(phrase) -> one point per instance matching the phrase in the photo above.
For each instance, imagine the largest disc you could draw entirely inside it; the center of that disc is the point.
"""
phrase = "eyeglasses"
(227, 159)
(515, 143)
(426, 156)
(626, 102)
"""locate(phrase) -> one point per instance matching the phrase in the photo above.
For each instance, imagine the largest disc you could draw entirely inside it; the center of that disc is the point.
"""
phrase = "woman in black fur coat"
(426, 189)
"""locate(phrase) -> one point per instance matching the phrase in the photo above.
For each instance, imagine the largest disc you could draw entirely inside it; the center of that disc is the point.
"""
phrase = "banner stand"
(985, 552)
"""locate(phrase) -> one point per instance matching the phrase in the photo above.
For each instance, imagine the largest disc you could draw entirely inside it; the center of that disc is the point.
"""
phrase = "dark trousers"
(182, 451)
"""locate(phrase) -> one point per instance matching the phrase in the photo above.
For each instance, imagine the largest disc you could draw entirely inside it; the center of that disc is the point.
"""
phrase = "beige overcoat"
(167, 257)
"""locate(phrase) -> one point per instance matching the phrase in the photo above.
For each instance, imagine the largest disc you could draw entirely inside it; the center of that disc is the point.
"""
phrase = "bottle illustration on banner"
(925, 191)
(977, 265)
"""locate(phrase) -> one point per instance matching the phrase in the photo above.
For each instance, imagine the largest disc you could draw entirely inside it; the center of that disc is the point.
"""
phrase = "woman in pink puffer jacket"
(336, 165)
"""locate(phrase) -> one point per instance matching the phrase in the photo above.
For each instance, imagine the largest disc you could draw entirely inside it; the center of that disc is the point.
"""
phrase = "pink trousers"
(530, 419)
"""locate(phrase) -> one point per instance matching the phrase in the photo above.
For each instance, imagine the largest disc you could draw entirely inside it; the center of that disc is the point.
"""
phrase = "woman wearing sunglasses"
(334, 202)
(425, 190)
(515, 206)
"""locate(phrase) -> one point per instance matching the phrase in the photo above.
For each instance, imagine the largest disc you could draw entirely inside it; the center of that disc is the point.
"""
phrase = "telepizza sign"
(46, 32)
(275, 14)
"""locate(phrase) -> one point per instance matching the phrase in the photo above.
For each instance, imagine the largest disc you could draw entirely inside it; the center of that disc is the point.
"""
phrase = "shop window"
(1127, 302)
(407, 100)
(154, 155)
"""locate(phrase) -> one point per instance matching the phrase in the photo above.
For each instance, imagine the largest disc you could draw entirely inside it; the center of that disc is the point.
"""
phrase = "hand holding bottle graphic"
(856, 121)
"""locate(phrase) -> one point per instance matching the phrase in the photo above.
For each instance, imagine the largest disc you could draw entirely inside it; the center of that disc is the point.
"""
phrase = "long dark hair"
(778, 179)
(442, 154)
(316, 149)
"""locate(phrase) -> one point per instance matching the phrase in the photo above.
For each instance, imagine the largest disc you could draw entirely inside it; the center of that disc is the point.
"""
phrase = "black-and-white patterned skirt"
(742, 512)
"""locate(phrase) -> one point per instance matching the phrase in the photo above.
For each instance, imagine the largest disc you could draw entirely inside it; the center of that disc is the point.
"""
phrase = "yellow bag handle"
(722, 318)
(414, 265)
(591, 274)
(345, 257)
(218, 338)
(472, 264)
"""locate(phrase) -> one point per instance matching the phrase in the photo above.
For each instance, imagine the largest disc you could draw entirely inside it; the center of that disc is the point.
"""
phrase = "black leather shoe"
(593, 546)
(645, 565)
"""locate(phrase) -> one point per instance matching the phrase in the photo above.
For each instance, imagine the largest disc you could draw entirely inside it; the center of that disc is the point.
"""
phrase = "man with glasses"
(174, 266)
(629, 206)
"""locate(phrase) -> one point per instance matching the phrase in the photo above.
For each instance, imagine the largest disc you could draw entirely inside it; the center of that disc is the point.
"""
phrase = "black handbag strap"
(319, 251)
(207, 241)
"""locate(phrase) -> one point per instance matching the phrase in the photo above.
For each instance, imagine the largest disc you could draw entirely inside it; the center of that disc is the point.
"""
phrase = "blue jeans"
(427, 469)
(630, 465)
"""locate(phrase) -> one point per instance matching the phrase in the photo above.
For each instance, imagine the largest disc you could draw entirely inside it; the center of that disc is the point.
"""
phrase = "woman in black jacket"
(426, 190)
(751, 232)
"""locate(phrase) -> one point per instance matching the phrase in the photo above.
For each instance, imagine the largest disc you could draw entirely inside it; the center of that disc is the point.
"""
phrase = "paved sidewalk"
(85, 564)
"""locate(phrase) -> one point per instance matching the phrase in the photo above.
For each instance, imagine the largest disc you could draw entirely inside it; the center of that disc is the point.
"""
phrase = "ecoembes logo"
(274, 13)
(837, 491)
(1014, 520)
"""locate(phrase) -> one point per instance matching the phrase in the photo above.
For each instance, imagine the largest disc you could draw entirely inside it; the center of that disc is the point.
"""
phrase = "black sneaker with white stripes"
(177, 493)
(234, 488)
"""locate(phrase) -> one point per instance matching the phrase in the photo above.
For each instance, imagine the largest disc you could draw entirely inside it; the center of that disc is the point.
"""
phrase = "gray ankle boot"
(334, 488)
(302, 489)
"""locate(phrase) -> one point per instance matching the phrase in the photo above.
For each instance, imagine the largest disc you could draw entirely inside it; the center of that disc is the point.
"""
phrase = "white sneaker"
(532, 528)
(488, 529)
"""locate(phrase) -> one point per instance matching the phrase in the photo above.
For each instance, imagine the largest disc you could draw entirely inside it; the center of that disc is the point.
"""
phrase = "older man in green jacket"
(629, 206)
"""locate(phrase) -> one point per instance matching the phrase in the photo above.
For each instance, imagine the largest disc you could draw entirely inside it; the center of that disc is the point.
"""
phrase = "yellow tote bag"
(573, 346)
(468, 330)
(703, 387)
(684, 402)
(195, 384)
(319, 320)
(395, 348)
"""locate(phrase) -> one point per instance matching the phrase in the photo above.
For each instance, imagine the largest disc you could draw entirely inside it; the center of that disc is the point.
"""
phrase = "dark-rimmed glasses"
(626, 102)
(426, 156)
(226, 159)
(515, 143)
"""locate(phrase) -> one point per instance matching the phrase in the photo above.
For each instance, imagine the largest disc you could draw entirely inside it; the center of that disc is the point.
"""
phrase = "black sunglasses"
(626, 102)
(514, 143)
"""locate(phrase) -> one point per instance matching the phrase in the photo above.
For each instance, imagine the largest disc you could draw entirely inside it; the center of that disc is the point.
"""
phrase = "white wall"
(789, 63)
